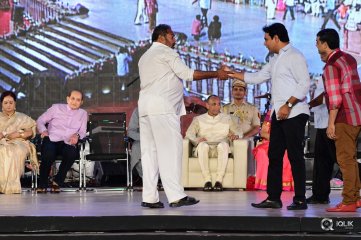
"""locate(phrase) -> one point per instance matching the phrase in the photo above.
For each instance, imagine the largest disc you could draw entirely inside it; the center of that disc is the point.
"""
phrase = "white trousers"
(141, 13)
(204, 151)
(161, 148)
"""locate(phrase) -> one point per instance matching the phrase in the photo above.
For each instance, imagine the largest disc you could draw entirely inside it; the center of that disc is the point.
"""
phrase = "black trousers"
(204, 17)
(325, 158)
(330, 15)
(287, 135)
(49, 151)
(291, 11)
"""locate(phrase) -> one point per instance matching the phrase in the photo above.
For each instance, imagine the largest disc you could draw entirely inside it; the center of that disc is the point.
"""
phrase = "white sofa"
(236, 171)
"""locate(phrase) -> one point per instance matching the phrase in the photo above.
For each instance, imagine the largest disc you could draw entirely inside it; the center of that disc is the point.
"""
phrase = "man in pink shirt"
(197, 28)
(61, 127)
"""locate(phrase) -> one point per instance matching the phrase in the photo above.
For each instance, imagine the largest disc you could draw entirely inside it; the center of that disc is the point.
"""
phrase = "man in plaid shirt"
(343, 99)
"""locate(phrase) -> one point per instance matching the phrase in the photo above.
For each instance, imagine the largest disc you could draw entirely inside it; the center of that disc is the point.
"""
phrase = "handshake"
(225, 72)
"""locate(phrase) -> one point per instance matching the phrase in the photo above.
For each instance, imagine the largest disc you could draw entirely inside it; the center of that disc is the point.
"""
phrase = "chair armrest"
(185, 161)
(240, 149)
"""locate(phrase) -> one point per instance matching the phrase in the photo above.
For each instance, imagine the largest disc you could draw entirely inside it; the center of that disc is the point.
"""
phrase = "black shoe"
(297, 205)
(153, 205)
(218, 187)
(268, 204)
(186, 201)
(313, 200)
(207, 187)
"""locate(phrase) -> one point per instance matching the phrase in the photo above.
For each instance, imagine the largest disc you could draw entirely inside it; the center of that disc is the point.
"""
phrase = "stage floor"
(120, 211)
(123, 203)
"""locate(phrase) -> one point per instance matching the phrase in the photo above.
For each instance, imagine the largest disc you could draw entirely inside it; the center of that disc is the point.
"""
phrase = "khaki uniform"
(215, 130)
(247, 114)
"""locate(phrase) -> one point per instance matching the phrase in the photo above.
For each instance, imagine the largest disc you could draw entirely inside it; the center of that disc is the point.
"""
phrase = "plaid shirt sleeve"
(333, 86)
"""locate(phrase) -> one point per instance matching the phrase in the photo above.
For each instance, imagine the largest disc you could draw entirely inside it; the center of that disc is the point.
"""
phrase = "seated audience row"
(61, 127)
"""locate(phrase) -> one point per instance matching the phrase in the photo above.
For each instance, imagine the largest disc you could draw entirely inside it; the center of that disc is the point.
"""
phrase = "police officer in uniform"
(248, 114)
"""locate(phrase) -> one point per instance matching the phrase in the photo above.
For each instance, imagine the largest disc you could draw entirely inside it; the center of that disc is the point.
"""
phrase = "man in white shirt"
(205, 5)
(210, 133)
(141, 14)
(290, 5)
(330, 14)
(290, 81)
(325, 150)
(161, 104)
(123, 59)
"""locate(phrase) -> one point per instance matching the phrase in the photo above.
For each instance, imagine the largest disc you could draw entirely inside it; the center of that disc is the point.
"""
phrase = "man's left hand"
(331, 131)
(74, 139)
(283, 112)
(233, 137)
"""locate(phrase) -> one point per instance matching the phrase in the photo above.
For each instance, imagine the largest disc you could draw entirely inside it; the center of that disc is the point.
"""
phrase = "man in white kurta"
(210, 133)
(271, 8)
(160, 104)
(141, 13)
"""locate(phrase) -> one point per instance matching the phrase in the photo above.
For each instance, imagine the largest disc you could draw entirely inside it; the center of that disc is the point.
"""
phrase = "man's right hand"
(223, 72)
(202, 140)
(44, 134)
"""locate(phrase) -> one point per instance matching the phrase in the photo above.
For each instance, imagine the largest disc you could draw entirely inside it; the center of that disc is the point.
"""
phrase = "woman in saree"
(260, 153)
(15, 131)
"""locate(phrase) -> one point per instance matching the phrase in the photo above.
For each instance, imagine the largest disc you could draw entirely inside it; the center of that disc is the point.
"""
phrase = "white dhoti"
(161, 149)
(205, 151)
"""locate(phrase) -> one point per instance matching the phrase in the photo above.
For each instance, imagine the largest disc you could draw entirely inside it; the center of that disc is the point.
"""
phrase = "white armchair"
(236, 171)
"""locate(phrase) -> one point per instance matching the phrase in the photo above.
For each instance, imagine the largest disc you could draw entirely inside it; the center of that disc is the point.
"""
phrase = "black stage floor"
(118, 215)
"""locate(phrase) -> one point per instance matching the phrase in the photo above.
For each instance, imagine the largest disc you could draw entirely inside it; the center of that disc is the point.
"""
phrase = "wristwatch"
(290, 105)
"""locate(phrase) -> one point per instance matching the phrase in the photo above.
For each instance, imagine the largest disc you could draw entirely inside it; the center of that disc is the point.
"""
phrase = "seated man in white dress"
(211, 134)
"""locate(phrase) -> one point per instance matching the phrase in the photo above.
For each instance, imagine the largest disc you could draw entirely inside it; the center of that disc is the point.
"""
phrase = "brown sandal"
(41, 190)
(54, 188)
